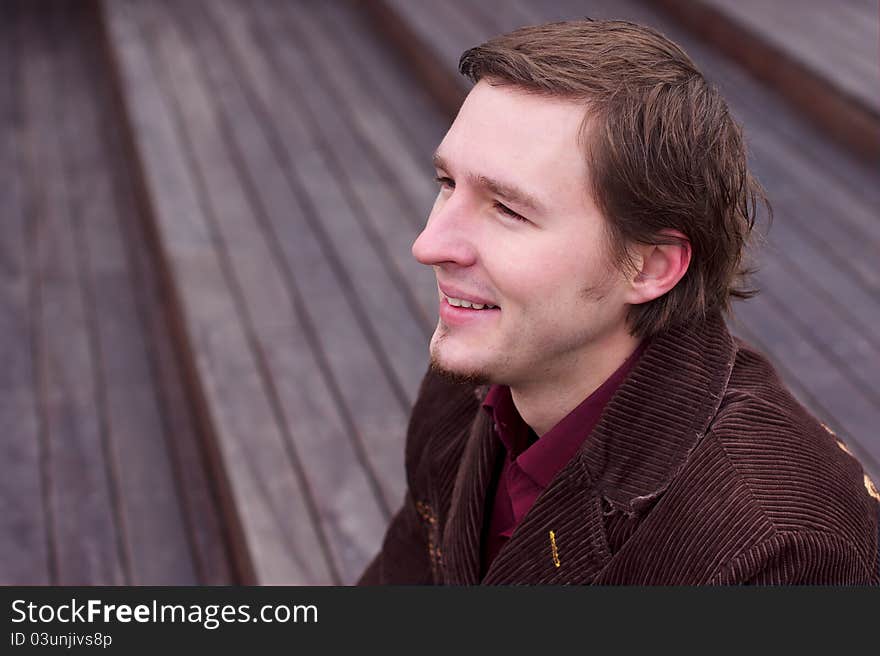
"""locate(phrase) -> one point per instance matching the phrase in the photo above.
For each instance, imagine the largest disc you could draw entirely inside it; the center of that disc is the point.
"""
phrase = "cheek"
(537, 288)
(561, 282)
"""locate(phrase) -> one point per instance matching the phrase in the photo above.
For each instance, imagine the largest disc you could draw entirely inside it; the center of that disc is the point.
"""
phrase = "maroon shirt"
(529, 463)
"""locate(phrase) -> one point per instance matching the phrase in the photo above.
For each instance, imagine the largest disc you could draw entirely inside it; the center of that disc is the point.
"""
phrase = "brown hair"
(662, 147)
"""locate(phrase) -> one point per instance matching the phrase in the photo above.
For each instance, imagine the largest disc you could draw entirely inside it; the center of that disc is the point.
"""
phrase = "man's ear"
(659, 267)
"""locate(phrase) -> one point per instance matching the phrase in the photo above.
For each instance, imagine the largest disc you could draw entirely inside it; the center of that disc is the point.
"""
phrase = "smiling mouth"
(461, 303)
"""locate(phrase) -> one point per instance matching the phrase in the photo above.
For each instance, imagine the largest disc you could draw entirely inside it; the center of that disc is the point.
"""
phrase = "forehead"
(523, 138)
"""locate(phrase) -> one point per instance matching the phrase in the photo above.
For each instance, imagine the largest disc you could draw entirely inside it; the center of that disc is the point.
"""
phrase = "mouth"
(461, 312)
(460, 298)
(466, 304)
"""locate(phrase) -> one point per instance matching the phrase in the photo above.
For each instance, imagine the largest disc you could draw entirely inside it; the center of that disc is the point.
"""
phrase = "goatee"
(459, 377)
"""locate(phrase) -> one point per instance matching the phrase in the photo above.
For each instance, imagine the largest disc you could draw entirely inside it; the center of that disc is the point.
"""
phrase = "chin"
(465, 374)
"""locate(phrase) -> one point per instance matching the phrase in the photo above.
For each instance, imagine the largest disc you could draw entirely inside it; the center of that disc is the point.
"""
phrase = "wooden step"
(286, 194)
(103, 481)
(821, 56)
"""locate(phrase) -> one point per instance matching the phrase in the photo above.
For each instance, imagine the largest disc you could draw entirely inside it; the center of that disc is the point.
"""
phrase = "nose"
(446, 238)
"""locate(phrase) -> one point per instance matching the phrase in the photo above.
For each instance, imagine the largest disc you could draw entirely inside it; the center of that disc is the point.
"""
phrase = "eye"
(506, 211)
(444, 181)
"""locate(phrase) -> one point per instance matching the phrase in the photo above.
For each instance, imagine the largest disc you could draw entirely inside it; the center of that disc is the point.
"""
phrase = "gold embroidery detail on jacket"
(435, 555)
(845, 448)
(426, 513)
(869, 484)
(871, 488)
(554, 550)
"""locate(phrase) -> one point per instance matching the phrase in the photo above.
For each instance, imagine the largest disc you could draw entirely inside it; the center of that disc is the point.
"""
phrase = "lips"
(457, 293)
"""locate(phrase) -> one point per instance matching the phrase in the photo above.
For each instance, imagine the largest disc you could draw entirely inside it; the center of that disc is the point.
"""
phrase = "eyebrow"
(506, 191)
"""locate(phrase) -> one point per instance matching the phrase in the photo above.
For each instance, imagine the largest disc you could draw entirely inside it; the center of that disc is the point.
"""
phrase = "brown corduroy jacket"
(703, 469)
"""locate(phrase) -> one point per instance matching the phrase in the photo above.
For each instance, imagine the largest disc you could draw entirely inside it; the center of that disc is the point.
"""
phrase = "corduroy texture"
(702, 470)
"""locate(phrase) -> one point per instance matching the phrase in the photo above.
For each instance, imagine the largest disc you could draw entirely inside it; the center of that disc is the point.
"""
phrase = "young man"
(587, 417)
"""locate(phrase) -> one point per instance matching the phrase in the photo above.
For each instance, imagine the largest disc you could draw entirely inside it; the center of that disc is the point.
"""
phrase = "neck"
(544, 402)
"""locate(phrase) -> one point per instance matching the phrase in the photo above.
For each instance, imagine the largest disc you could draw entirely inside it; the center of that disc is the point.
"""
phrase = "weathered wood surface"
(180, 430)
(820, 56)
(82, 411)
(818, 314)
(287, 194)
(24, 510)
(838, 40)
(82, 480)
(231, 372)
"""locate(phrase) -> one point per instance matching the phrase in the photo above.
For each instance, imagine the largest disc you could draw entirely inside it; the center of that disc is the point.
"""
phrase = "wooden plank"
(200, 505)
(185, 439)
(349, 513)
(852, 352)
(24, 550)
(795, 183)
(155, 530)
(394, 332)
(434, 27)
(851, 30)
(369, 168)
(292, 208)
(841, 111)
(803, 33)
(90, 547)
(378, 73)
(367, 112)
(401, 34)
(831, 285)
(233, 381)
(492, 18)
(458, 18)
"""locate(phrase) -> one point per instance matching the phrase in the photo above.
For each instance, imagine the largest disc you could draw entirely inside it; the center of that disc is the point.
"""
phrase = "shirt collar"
(540, 460)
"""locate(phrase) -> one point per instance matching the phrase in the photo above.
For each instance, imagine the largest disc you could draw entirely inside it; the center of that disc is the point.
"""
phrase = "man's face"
(559, 300)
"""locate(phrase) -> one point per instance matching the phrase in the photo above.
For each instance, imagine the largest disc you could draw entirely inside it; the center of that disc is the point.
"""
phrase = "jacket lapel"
(464, 525)
(560, 540)
(659, 415)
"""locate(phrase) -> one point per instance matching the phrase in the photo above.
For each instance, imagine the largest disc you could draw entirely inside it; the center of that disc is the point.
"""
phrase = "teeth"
(457, 302)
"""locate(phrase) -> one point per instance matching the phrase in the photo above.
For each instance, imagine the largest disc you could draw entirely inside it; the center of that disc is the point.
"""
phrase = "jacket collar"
(659, 414)
(646, 432)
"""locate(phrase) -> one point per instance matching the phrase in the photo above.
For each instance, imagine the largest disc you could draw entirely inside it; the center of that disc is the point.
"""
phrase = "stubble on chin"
(458, 377)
